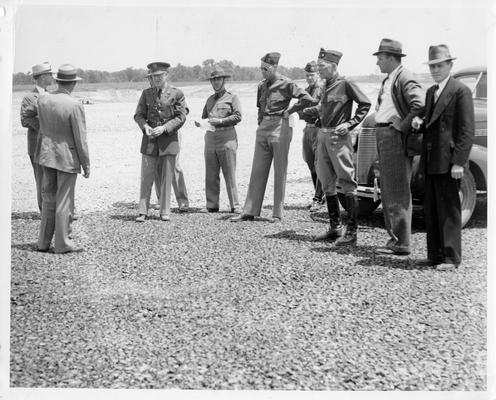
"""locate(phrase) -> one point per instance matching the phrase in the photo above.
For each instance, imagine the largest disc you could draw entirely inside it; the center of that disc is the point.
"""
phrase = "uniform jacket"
(224, 105)
(63, 144)
(29, 119)
(165, 107)
(448, 128)
(310, 115)
(408, 98)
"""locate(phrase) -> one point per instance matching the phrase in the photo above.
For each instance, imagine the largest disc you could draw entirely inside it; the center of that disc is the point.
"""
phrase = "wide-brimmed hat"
(67, 73)
(438, 54)
(332, 56)
(157, 68)
(41, 69)
(218, 72)
(311, 67)
(390, 46)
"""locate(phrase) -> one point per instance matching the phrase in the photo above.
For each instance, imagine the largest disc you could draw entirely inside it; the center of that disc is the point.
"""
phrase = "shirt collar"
(40, 89)
(218, 95)
(443, 84)
(394, 72)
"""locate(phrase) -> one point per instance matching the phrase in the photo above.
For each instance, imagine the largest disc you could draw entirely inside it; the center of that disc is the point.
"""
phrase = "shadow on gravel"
(287, 207)
(391, 262)
(25, 215)
(125, 218)
(26, 246)
(290, 235)
(131, 205)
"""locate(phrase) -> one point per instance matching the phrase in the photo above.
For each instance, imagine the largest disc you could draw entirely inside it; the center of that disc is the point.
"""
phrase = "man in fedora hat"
(223, 110)
(335, 148)
(42, 76)
(63, 151)
(448, 132)
(309, 145)
(400, 99)
(161, 111)
(273, 137)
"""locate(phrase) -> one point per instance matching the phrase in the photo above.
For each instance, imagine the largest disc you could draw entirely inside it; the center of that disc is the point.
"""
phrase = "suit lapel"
(429, 103)
(442, 101)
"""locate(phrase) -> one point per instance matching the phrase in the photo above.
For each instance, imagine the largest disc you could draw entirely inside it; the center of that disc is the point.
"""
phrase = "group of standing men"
(446, 118)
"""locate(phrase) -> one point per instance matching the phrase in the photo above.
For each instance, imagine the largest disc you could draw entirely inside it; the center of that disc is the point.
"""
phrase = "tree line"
(179, 73)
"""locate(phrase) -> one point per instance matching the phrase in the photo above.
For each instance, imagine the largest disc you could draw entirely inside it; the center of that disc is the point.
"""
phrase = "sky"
(115, 35)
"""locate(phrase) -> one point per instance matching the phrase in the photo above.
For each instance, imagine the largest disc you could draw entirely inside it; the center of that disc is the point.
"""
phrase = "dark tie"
(381, 92)
(436, 88)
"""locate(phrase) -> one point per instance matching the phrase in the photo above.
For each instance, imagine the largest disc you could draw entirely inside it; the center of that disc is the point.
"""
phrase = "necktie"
(381, 93)
(436, 94)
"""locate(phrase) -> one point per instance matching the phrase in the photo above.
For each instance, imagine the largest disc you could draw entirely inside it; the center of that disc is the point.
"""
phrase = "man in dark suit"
(448, 128)
(63, 151)
(42, 76)
(400, 99)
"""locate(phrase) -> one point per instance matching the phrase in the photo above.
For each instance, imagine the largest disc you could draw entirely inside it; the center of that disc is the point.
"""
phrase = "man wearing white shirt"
(42, 76)
(400, 99)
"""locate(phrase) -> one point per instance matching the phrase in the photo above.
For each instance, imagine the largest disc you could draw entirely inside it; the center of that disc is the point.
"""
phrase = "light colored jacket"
(29, 119)
(63, 144)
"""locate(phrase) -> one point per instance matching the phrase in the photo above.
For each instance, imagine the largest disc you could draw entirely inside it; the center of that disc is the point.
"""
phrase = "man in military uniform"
(42, 76)
(273, 137)
(223, 110)
(311, 116)
(160, 113)
(335, 164)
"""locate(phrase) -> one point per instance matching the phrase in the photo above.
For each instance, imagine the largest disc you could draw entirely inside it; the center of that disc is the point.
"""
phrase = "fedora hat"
(40, 69)
(157, 68)
(390, 46)
(67, 73)
(218, 72)
(438, 54)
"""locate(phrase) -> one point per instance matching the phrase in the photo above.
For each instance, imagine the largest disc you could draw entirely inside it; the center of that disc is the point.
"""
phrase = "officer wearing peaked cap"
(309, 145)
(335, 150)
(223, 110)
(273, 137)
(160, 113)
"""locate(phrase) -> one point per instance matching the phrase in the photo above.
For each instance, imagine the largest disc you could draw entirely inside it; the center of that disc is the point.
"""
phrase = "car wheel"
(468, 196)
(366, 205)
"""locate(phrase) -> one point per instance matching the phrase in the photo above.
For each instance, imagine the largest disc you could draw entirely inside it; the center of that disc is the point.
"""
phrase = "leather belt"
(223, 128)
(383, 124)
(272, 116)
(328, 130)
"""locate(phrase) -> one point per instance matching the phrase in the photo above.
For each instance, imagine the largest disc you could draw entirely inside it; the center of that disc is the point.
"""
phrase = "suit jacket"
(408, 98)
(168, 109)
(448, 128)
(63, 143)
(29, 119)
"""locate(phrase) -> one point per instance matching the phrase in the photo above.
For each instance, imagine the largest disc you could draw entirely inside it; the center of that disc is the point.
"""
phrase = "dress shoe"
(164, 217)
(331, 234)
(42, 250)
(206, 210)
(183, 209)
(391, 251)
(425, 262)
(70, 250)
(236, 210)
(274, 220)
(242, 217)
(141, 218)
(446, 267)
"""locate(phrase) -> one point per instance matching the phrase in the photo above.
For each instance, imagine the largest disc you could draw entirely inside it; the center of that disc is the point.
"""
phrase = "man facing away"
(273, 137)
(335, 166)
(42, 76)
(309, 144)
(448, 132)
(400, 99)
(63, 151)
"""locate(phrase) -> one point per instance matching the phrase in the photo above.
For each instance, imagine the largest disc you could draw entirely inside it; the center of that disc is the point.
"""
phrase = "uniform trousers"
(396, 173)
(38, 177)
(149, 166)
(57, 208)
(335, 163)
(178, 184)
(272, 143)
(309, 147)
(443, 219)
(220, 153)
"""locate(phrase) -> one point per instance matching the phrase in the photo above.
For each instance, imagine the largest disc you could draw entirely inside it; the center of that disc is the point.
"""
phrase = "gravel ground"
(201, 303)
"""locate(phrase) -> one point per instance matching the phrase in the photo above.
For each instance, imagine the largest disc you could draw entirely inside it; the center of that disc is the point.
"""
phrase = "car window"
(472, 80)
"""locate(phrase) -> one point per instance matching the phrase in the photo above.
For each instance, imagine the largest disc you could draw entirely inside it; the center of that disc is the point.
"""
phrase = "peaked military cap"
(157, 68)
(330, 55)
(438, 54)
(390, 46)
(218, 72)
(311, 67)
(271, 58)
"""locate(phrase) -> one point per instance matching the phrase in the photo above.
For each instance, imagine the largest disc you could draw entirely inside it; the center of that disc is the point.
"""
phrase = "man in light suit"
(63, 152)
(400, 99)
(448, 133)
(42, 76)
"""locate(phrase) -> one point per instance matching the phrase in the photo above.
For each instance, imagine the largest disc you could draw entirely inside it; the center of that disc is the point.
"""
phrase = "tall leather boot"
(350, 236)
(335, 228)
